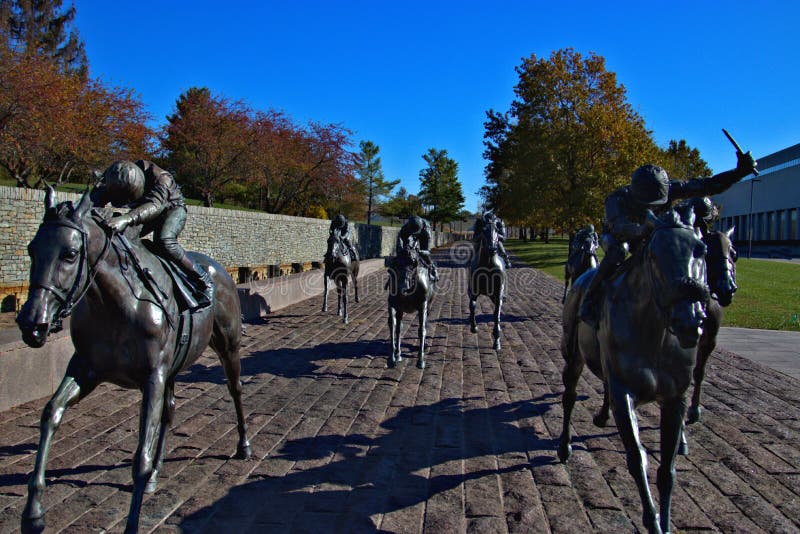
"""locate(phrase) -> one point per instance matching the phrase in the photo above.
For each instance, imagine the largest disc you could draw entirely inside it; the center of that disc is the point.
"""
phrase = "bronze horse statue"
(582, 258)
(487, 275)
(124, 329)
(411, 289)
(338, 266)
(644, 348)
(720, 259)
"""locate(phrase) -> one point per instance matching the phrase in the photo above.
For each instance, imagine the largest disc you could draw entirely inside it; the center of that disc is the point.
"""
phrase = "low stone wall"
(250, 245)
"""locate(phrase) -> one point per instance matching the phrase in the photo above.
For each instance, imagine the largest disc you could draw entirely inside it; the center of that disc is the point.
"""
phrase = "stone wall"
(245, 242)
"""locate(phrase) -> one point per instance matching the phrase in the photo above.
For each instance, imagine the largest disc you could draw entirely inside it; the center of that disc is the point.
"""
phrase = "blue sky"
(415, 75)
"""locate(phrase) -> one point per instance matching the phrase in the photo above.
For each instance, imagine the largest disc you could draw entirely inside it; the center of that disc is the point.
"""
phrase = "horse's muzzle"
(33, 334)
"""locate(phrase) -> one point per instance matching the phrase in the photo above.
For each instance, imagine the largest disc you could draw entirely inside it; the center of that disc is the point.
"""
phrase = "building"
(771, 201)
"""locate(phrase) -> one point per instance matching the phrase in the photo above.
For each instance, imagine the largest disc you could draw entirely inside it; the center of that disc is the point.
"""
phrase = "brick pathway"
(343, 444)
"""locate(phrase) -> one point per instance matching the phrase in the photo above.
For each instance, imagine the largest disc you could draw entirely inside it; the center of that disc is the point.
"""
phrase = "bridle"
(71, 297)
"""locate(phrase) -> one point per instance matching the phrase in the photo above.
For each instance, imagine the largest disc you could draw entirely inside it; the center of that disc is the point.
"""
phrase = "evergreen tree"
(43, 28)
(370, 174)
(440, 190)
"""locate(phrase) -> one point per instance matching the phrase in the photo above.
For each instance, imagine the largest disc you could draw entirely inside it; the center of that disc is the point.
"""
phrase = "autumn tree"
(401, 205)
(683, 162)
(440, 191)
(301, 169)
(569, 138)
(54, 124)
(370, 175)
(207, 141)
(43, 28)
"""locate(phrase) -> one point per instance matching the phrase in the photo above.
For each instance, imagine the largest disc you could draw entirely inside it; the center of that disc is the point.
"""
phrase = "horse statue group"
(659, 318)
(656, 331)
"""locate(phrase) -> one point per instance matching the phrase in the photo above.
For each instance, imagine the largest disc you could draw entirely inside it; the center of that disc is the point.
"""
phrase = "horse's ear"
(84, 204)
(729, 231)
(49, 199)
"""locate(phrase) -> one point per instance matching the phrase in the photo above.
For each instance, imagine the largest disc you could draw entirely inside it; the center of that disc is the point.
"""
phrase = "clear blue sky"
(414, 75)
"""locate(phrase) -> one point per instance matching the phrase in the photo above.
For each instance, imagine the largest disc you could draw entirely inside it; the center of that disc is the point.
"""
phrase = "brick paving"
(341, 443)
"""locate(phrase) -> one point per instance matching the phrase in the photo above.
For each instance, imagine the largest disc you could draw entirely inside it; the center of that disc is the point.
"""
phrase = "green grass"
(768, 296)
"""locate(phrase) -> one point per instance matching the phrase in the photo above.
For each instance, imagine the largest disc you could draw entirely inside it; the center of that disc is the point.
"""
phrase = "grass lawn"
(768, 296)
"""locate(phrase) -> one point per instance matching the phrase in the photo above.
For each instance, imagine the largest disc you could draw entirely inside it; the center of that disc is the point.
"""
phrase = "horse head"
(405, 265)
(721, 266)
(674, 259)
(489, 235)
(60, 270)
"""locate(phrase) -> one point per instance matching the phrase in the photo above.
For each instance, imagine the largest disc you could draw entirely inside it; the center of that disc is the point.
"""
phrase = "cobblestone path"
(341, 443)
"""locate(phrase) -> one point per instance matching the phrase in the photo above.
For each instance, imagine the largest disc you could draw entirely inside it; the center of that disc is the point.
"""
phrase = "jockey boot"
(504, 254)
(203, 284)
(588, 312)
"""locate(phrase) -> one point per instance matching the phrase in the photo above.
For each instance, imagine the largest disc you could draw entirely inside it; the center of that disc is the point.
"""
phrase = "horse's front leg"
(601, 417)
(573, 367)
(167, 413)
(704, 349)
(672, 413)
(623, 405)
(354, 276)
(149, 428)
(343, 294)
(70, 391)
(325, 293)
(422, 315)
(566, 285)
(498, 306)
(473, 326)
(395, 319)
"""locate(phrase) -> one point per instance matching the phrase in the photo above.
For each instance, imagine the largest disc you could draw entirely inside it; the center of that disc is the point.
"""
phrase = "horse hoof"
(683, 449)
(694, 415)
(243, 452)
(391, 364)
(473, 329)
(497, 344)
(564, 452)
(345, 320)
(420, 364)
(32, 525)
(600, 420)
(324, 309)
(151, 486)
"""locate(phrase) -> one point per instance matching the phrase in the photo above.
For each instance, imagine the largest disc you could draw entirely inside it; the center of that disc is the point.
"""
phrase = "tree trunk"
(369, 208)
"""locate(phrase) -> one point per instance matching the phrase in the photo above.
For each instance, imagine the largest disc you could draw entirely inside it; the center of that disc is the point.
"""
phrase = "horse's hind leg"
(672, 414)
(704, 349)
(343, 293)
(167, 413)
(354, 274)
(74, 386)
(573, 367)
(325, 293)
(622, 403)
(227, 349)
(601, 417)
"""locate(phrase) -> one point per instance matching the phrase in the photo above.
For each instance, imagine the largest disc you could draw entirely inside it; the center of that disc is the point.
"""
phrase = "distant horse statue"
(582, 258)
(487, 275)
(125, 331)
(411, 289)
(338, 267)
(647, 340)
(721, 272)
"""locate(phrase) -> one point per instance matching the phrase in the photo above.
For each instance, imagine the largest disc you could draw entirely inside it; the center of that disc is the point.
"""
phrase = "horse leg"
(70, 391)
(149, 426)
(227, 349)
(325, 293)
(395, 320)
(566, 285)
(573, 367)
(422, 316)
(473, 326)
(167, 414)
(622, 403)
(345, 317)
(354, 275)
(601, 417)
(338, 297)
(498, 305)
(704, 350)
(672, 413)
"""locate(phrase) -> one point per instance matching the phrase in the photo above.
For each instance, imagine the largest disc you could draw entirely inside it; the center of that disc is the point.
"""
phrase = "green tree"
(568, 140)
(401, 205)
(683, 162)
(440, 191)
(370, 175)
(43, 28)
